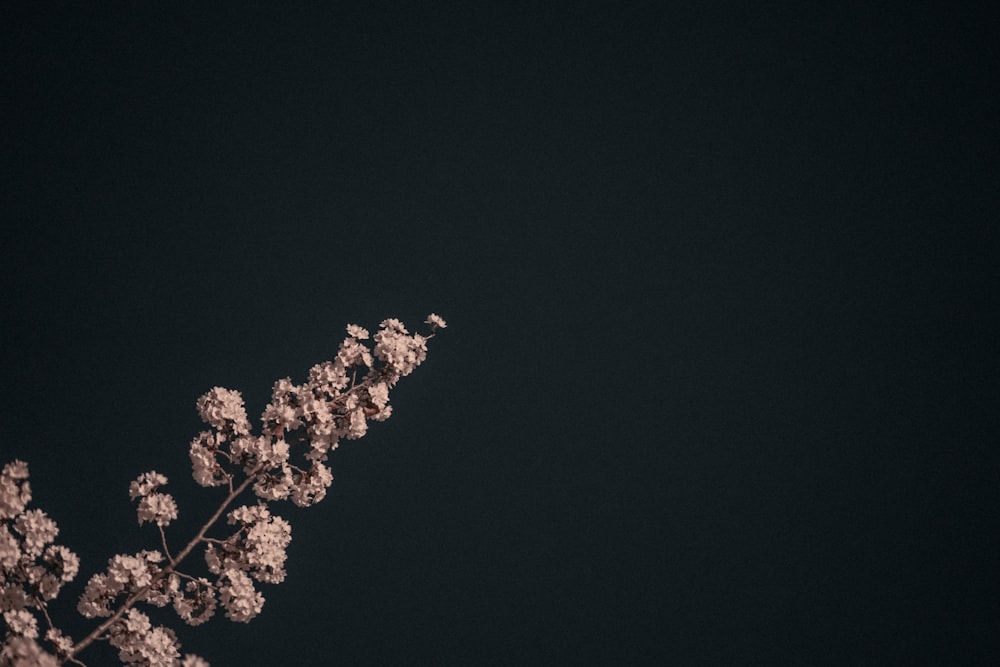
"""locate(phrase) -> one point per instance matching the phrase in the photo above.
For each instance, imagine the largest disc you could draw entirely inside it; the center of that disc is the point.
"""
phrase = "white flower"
(141, 644)
(38, 530)
(278, 418)
(328, 377)
(271, 486)
(254, 451)
(379, 394)
(282, 413)
(354, 331)
(403, 353)
(205, 469)
(24, 652)
(15, 492)
(353, 353)
(61, 562)
(61, 641)
(335, 403)
(223, 409)
(22, 622)
(198, 608)
(10, 551)
(435, 321)
(98, 594)
(310, 487)
(357, 426)
(158, 508)
(392, 324)
(238, 596)
(128, 570)
(265, 543)
(145, 484)
(248, 514)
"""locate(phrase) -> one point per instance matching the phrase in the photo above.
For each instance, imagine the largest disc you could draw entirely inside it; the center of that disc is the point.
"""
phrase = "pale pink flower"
(379, 394)
(435, 321)
(241, 601)
(267, 552)
(10, 550)
(61, 563)
(254, 451)
(392, 324)
(274, 485)
(336, 402)
(354, 331)
(15, 492)
(281, 417)
(223, 409)
(205, 467)
(310, 487)
(322, 440)
(248, 514)
(145, 484)
(96, 597)
(401, 352)
(197, 604)
(37, 529)
(353, 353)
(25, 652)
(158, 508)
(47, 584)
(21, 622)
(139, 643)
(61, 641)
(357, 425)
(328, 378)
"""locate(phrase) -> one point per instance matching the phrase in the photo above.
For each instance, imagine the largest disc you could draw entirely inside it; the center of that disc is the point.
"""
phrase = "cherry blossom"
(286, 460)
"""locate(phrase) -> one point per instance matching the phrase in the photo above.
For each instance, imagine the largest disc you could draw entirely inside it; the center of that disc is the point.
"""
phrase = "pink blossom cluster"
(32, 568)
(156, 507)
(336, 402)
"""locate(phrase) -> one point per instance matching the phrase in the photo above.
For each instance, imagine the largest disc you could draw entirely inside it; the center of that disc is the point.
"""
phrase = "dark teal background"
(719, 382)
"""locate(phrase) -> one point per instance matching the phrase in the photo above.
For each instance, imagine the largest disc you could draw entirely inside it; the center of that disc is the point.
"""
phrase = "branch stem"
(174, 562)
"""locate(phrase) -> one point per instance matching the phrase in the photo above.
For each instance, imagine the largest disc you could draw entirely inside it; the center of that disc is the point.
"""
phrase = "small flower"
(15, 492)
(145, 484)
(435, 321)
(223, 409)
(158, 508)
(354, 331)
(353, 353)
(22, 622)
(241, 601)
(200, 606)
(402, 352)
(62, 642)
(38, 530)
(24, 651)
(61, 562)
(310, 487)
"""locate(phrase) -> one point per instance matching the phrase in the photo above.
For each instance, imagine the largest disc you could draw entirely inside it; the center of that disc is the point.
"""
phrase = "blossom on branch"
(300, 426)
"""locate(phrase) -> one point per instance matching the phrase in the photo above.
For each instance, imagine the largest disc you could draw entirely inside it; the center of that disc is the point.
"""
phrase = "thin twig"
(174, 562)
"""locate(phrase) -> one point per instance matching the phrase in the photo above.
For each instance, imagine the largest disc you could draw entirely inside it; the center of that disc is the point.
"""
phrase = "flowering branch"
(330, 406)
(138, 595)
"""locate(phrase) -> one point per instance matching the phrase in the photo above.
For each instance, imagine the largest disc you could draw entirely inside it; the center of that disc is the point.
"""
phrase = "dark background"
(719, 380)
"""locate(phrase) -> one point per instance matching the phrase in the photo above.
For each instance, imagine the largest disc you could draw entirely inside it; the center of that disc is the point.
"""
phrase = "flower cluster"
(335, 403)
(139, 642)
(126, 576)
(32, 569)
(156, 507)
